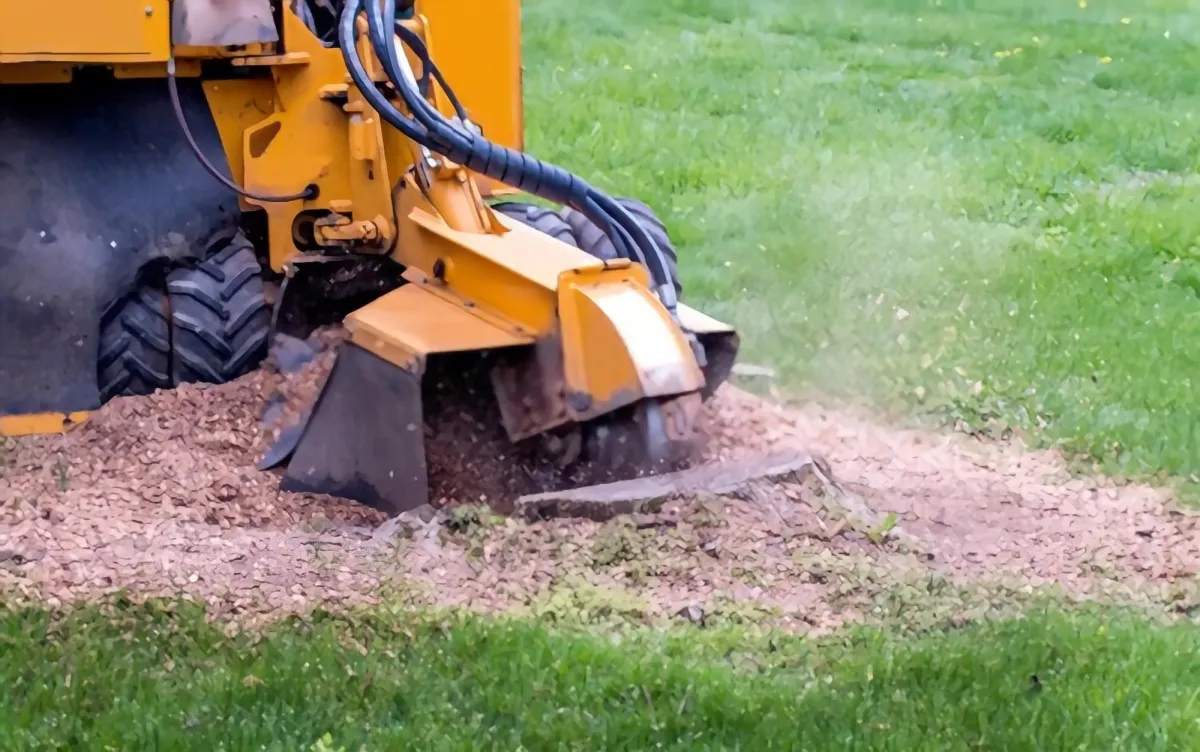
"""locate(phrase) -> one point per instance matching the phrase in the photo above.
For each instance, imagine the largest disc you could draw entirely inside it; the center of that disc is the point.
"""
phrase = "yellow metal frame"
(39, 423)
(476, 279)
(617, 344)
(109, 32)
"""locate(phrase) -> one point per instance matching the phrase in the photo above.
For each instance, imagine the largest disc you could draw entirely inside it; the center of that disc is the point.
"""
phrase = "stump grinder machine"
(180, 179)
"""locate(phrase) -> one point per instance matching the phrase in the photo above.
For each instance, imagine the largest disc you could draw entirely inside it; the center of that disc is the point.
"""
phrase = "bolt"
(579, 402)
(149, 11)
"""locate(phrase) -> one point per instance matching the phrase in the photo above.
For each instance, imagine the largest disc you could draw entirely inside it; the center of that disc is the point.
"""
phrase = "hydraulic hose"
(430, 68)
(431, 129)
(479, 154)
(393, 117)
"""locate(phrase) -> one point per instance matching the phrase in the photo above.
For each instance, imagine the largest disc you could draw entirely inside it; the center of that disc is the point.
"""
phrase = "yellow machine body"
(585, 337)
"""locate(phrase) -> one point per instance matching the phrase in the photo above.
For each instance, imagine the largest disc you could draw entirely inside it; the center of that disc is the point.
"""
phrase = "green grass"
(148, 678)
(986, 211)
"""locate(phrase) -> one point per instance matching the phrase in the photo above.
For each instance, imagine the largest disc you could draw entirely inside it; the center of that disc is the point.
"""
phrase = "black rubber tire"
(539, 218)
(135, 346)
(590, 238)
(220, 319)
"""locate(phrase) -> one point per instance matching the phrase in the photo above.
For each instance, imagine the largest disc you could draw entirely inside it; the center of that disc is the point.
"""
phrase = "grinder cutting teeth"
(368, 153)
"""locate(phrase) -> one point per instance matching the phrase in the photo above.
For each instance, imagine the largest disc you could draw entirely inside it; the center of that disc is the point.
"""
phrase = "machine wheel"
(135, 346)
(220, 318)
(539, 218)
(590, 238)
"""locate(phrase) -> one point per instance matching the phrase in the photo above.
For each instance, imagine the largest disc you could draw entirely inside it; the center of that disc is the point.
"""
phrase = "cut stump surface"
(646, 495)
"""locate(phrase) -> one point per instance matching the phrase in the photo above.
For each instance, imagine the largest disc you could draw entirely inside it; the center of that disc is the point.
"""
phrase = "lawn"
(966, 210)
(975, 210)
(149, 679)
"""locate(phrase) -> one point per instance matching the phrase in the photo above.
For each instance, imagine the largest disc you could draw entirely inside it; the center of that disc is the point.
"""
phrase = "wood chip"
(151, 491)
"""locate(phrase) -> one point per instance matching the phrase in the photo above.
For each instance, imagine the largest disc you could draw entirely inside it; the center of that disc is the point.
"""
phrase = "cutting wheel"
(654, 436)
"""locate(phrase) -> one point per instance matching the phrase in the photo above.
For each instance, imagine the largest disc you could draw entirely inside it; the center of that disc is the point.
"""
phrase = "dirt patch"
(985, 509)
(160, 496)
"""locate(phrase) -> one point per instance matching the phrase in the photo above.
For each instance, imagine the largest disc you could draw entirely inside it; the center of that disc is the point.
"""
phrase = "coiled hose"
(460, 144)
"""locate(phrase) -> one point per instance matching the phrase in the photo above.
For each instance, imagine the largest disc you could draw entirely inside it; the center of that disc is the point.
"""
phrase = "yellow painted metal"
(619, 343)
(477, 46)
(39, 423)
(270, 61)
(112, 31)
(61, 73)
(308, 139)
(187, 51)
(700, 323)
(514, 275)
(491, 41)
(412, 322)
(237, 106)
(35, 73)
(183, 69)
(476, 279)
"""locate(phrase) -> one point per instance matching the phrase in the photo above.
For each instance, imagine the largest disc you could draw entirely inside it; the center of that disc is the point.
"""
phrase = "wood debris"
(160, 496)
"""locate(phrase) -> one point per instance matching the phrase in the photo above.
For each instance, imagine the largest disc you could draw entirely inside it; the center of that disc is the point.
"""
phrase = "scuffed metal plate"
(222, 23)
(365, 440)
(650, 339)
(531, 390)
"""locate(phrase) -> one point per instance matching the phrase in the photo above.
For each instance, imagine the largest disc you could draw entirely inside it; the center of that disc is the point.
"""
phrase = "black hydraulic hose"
(593, 208)
(380, 31)
(358, 73)
(430, 68)
(611, 217)
(309, 193)
(430, 129)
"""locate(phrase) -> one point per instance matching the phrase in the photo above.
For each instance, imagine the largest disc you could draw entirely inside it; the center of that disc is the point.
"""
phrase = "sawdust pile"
(160, 495)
